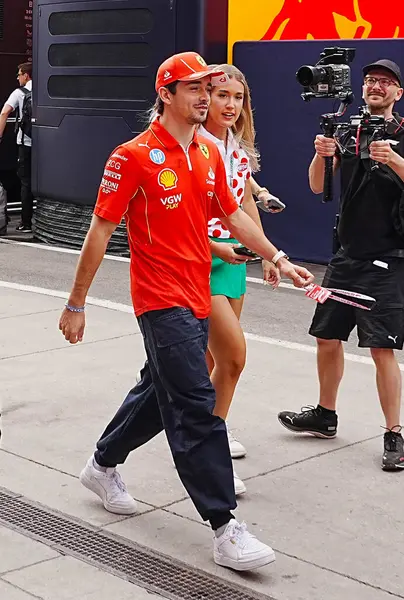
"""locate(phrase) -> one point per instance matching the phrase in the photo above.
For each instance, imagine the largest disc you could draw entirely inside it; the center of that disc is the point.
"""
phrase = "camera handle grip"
(328, 127)
(328, 179)
(377, 136)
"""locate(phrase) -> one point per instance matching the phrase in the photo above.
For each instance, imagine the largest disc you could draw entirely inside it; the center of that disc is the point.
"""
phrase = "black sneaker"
(24, 228)
(310, 420)
(393, 456)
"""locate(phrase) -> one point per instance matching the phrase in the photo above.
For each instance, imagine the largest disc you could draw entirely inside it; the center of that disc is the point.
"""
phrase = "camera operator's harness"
(373, 126)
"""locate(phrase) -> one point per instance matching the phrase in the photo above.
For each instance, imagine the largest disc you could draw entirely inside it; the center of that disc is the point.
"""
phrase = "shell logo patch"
(168, 179)
(204, 150)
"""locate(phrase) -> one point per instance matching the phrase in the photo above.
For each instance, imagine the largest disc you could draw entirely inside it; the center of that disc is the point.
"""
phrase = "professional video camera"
(331, 78)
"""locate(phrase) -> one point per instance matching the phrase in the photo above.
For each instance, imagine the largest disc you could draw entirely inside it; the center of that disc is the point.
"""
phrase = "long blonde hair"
(243, 129)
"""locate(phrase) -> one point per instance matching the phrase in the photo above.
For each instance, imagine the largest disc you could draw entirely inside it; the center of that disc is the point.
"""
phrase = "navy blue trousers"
(176, 394)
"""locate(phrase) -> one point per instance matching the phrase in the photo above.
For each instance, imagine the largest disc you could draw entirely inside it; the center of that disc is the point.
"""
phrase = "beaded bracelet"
(76, 309)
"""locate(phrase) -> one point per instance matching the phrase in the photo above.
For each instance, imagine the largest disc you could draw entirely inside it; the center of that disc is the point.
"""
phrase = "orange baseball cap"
(183, 67)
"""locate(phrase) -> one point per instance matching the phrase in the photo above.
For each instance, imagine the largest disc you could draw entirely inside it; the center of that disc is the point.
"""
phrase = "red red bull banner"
(314, 19)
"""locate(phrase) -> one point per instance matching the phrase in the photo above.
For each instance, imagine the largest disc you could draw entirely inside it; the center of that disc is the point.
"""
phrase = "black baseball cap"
(384, 63)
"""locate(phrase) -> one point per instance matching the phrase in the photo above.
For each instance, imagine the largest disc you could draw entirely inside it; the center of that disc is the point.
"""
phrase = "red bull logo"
(315, 19)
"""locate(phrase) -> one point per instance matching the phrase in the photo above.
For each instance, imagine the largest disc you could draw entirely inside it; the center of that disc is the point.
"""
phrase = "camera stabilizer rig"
(364, 123)
(372, 126)
(329, 126)
(331, 78)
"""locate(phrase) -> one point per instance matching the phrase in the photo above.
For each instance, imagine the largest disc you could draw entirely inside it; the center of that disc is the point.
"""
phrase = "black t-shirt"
(369, 198)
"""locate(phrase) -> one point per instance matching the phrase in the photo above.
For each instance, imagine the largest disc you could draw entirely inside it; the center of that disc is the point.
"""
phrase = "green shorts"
(226, 279)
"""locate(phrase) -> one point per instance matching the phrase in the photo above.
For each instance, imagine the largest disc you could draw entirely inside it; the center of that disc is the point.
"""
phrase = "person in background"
(20, 101)
(370, 261)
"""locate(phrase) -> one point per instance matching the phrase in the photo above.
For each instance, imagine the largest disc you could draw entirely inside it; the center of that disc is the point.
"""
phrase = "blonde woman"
(230, 125)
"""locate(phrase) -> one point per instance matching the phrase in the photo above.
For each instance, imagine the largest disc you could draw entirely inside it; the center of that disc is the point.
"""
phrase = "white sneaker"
(239, 485)
(237, 449)
(238, 549)
(109, 487)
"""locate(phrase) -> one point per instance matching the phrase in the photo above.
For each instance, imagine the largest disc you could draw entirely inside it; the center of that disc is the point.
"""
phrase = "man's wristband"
(76, 309)
(278, 255)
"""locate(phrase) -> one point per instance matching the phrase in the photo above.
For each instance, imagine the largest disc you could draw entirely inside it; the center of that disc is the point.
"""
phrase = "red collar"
(165, 138)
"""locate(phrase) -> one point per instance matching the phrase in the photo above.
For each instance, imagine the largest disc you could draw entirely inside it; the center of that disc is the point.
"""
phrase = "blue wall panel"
(89, 95)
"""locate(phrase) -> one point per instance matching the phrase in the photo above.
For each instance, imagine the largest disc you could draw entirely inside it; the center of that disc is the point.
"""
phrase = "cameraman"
(370, 261)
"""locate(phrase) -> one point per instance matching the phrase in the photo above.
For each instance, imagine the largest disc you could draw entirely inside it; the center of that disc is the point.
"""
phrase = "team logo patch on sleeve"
(204, 150)
(157, 156)
(168, 179)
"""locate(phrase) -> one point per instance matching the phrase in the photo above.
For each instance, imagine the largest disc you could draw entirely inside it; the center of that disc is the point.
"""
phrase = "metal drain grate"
(137, 564)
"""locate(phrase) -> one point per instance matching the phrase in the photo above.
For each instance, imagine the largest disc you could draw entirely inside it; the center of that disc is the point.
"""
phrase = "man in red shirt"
(168, 183)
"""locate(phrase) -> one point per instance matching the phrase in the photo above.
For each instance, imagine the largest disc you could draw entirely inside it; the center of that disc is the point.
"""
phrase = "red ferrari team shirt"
(167, 195)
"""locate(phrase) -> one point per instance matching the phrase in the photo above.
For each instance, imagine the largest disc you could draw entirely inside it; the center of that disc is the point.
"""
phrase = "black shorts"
(381, 327)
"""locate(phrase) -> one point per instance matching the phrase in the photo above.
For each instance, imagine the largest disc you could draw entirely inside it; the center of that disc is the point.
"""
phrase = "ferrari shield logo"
(200, 60)
(204, 150)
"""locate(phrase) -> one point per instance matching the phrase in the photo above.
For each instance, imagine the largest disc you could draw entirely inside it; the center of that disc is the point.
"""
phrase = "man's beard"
(196, 119)
(379, 109)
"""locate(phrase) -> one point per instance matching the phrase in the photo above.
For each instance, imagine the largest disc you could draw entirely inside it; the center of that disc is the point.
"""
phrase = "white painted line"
(255, 280)
(59, 249)
(366, 360)
(259, 280)
(126, 308)
(115, 258)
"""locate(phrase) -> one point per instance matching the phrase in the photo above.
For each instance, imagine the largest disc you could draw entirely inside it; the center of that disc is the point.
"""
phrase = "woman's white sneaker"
(109, 487)
(238, 549)
(239, 485)
(237, 449)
